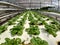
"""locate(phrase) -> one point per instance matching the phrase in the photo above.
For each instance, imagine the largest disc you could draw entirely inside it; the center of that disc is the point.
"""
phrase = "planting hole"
(58, 43)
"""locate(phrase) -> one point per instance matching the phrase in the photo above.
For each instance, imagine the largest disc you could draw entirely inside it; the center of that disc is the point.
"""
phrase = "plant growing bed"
(18, 29)
(31, 33)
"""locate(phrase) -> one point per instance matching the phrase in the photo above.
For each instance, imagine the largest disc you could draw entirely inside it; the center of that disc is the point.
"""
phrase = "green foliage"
(17, 30)
(13, 41)
(38, 41)
(51, 29)
(10, 22)
(3, 28)
(33, 22)
(33, 30)
(30, 18)
(56, 23)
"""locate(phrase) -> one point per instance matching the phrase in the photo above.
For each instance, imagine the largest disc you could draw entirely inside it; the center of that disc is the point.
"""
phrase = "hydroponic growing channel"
(30, 28)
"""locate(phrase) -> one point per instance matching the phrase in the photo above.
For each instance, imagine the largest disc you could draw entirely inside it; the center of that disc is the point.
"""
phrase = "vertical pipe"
(58, 5)
(29, 3)
(40, 4)
(51, 2)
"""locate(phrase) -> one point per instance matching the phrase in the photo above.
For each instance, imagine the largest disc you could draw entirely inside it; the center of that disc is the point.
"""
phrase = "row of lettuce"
(18, 29)
(12, 21)
(17, 41)
(51, 28)
(32, 30)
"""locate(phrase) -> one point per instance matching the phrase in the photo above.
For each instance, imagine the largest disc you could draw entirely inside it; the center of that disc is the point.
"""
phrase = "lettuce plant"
(13, 41)
(51, 29)
(38, 41)
(3, 28)
(33, 30)
(17, 30)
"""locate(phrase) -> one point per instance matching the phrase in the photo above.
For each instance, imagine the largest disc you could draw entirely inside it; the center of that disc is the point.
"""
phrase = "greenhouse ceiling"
(35, 3)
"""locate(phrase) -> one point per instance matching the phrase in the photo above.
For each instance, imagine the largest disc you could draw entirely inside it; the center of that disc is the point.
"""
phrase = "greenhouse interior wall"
(29, 22)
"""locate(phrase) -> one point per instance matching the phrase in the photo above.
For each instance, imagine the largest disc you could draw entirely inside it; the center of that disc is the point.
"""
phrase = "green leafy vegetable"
(13, 41)
(38, 41)
(33, 30)
(17, 30)
(3, 28)
(51, 29)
